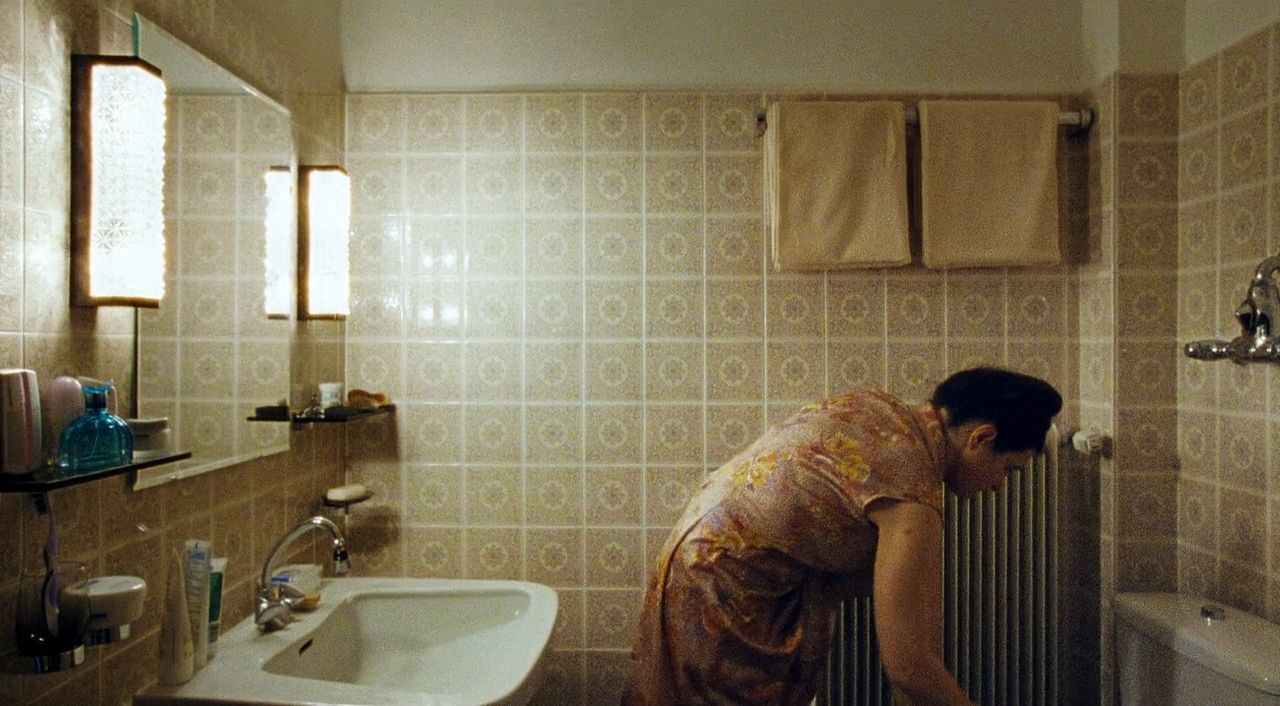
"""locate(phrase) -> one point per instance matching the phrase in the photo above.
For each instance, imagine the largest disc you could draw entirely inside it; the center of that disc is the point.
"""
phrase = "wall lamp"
(279, 257)
(324, 221)
(117, 182)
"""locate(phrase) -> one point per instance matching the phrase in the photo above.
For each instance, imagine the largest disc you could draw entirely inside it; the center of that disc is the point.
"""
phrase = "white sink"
(433, 642)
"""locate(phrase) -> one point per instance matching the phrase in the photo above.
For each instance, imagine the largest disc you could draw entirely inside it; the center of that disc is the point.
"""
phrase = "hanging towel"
(989, 183)
(836, 181)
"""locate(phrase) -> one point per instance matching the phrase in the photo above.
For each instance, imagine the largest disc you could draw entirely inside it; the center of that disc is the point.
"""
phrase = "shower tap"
(1257, 314)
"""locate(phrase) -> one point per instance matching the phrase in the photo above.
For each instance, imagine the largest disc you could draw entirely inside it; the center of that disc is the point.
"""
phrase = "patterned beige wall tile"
(553, 247)
(1242, 534)
(553, 433)
(433, 248)
(432, 432)
(433, 371)
(11, 49)
(1242, 221)
(856, 304)
(568, 629)
(1241, 459)
(667, 491)
(1197, 234)
(1197, 571)
(613, 122)
(673, 433)
(730, 428)
(613, 184)
(609, 673)
(614, 246)
(965, 354)
(734, 246)
(614, 432)
(1198, 95)
(12, 256)
(731, 121)
(492, 433)
(208, 125)
(494, 123)
(554, 558)
(975, 305)
(914, 369)
(1147, 238)
(433, 552)
(795, 307)
(495, 184)
(11, 142)
(494, 371)
(493, 309)
(915, 306)
(1047, 360)
(611, 618)
(1146, 505)
(613, 496)
(1243, 156)
(614, 558)
(434, 123)
(46, 148)
(735, 371)
(673, 184)
(553, 123)
(673, 308)
(614, 371)
(673, 122)
(796, 371)
(433, 186)
(1148, 105)
(1097, 377)
(553, 371)
(493, 496)
(734, 308)
(733, 184)
(1197, 514)
(856, 364)
(1146, 373)
(674, 247)
(1244, 72)
(433, 495)
(377, 184)
(673, 371)
(614, 309)
(1143, 305)
(493, 553)
(1146, 565)
(1243, 585)
(554, 184)
(1238, 388)
(562, 681)
(553, 496)
(553, 308)
(1148, 173)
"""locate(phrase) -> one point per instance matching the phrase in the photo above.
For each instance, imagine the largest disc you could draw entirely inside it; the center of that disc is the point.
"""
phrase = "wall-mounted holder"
(1258, 315)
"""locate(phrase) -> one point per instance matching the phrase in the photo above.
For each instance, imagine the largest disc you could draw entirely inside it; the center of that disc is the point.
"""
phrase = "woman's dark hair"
(1020, 406)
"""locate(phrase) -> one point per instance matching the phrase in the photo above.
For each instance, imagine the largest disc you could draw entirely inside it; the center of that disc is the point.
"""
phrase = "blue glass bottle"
(95, 439)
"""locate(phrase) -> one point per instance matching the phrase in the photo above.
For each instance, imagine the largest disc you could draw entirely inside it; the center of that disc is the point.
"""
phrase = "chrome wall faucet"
(274, 609)
(1258, 315)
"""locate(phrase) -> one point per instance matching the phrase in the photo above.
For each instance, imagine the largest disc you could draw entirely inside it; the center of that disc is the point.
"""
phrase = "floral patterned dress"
(741, 604)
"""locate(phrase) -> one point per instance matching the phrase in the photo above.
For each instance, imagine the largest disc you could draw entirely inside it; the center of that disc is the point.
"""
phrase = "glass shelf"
(345, 414)
(49, 477)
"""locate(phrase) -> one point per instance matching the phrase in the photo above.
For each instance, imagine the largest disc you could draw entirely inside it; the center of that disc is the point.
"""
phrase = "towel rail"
(1080, 120)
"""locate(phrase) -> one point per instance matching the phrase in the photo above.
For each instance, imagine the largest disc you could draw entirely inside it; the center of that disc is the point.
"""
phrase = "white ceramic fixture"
(432, 642)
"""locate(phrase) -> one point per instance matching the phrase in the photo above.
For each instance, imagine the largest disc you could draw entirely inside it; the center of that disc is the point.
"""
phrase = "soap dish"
(344, 496)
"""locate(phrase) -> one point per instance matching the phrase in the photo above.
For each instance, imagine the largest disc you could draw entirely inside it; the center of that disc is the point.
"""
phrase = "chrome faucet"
(276, 602)
(1258, 315)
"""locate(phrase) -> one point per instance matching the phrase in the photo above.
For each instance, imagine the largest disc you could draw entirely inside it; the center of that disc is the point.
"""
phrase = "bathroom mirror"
(209, 354)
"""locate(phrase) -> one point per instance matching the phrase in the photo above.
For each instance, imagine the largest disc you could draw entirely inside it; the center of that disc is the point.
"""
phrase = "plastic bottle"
(177, 656)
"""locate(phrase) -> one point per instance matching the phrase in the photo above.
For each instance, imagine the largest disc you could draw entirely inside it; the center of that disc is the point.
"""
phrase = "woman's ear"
(982, 436)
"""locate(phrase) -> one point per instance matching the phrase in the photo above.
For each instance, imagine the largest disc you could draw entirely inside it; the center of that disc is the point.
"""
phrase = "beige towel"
(835, 183)
(989, 184)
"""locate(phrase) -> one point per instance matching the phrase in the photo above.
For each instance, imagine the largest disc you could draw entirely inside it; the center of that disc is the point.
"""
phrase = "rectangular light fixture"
(279, 256)
(324, 220)
(117, 182)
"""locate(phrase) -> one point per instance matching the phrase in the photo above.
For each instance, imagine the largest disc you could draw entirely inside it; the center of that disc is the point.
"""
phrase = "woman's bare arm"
(908, 602)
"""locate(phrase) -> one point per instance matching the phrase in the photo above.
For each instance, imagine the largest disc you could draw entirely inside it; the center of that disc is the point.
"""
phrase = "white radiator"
(1000, 601)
